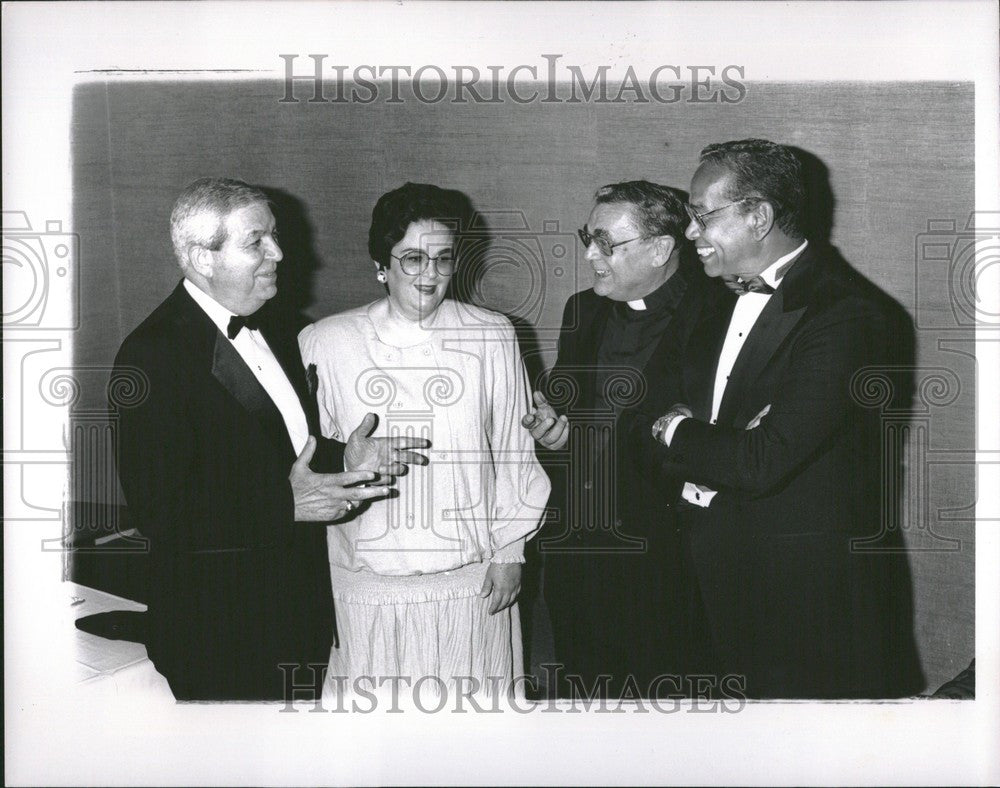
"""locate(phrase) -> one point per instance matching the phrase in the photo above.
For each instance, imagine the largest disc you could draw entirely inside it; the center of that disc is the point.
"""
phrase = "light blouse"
(460, 383)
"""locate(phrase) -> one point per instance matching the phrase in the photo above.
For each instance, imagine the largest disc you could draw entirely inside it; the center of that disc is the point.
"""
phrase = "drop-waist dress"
(407, 570)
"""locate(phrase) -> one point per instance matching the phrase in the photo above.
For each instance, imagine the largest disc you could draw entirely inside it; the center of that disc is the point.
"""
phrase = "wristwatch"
(661, 424)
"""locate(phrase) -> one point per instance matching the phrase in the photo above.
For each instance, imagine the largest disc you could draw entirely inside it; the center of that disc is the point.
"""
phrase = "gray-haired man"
(215, 463)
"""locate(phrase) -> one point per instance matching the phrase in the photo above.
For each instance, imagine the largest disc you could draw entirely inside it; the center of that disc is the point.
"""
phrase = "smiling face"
(418, 296)
(243, 274)
(727, 245)
(633, 270)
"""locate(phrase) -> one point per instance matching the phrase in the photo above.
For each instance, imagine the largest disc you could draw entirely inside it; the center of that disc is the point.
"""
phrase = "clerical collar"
(662, 297)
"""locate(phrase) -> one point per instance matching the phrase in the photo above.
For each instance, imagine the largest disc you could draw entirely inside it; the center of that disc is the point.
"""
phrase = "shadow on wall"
(499, 251)
(886, 544)
(300, 263)
(481, 255)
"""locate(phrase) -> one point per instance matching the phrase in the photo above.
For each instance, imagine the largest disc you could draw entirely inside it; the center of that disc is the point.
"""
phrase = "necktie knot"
(238, 322)
(741, 287)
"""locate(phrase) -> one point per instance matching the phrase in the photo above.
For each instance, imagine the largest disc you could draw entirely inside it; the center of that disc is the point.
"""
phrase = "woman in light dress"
(425, 583)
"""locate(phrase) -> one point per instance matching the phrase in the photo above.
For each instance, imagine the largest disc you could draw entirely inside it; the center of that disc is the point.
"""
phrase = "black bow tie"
(238, 322)
(755, 285)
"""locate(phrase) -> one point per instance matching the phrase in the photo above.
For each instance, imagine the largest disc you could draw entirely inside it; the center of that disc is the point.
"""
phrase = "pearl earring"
(380, 276)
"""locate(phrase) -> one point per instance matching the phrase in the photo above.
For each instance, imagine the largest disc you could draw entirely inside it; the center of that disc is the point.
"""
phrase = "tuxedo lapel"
(776, 321)
(699, 372)
(291, 363)
(216, 356)
(229, 368)
(770, 330)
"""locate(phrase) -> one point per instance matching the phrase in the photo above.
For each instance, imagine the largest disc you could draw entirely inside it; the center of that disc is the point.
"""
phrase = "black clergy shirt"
(629, 339)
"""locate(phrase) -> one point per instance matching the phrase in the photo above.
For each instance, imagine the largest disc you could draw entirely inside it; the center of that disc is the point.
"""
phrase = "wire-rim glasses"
(699, 217)
(415, 263)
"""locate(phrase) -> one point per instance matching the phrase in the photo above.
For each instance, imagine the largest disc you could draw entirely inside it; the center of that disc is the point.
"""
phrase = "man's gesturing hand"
(389, 456)
(545, 427)
(322, 497)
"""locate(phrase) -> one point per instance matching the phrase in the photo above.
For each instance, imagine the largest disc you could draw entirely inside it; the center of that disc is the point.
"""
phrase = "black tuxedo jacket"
(237, 586)
(791, 603)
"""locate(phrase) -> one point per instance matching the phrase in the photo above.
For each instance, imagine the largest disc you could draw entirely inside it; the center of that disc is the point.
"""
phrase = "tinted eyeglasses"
(604, 246)
(415, 263)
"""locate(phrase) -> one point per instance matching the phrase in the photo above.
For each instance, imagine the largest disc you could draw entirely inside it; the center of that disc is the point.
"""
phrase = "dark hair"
(199, 214)
(395, 211)
(764, 171)
(659, 210)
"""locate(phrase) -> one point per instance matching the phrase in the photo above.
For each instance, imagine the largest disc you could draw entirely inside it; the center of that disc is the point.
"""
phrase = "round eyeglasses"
(415, 263)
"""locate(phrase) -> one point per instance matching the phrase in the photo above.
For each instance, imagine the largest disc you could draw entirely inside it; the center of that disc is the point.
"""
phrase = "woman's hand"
(503, 583)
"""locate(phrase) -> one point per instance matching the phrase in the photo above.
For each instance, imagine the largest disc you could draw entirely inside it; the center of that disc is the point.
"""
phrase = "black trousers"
(615, 620)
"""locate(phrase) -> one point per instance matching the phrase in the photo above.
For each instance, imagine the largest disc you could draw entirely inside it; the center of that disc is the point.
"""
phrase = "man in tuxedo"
(770, 461)
(215, 461)
(608, 577)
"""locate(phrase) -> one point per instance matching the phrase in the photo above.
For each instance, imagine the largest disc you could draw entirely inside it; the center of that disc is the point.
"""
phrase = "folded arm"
(810, 407)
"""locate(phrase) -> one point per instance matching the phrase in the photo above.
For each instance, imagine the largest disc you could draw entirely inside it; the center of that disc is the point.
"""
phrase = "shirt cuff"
(672, 428)
(698, 494)
(510, 554)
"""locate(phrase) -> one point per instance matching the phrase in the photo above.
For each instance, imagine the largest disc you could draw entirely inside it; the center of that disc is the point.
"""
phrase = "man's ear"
(201, 260)
(664, 246)
(762, 219)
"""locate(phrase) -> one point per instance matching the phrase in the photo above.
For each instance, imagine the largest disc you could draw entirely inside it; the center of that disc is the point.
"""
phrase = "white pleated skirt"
(422, 634)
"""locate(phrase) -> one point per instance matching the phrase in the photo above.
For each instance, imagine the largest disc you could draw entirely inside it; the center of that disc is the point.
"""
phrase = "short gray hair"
(199, 215)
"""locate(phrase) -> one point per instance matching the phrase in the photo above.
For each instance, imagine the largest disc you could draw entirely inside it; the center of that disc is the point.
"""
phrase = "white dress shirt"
(254, 350)
(745, 313)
